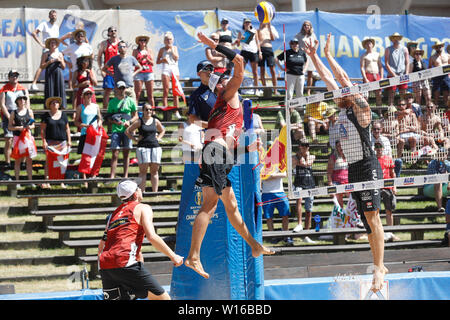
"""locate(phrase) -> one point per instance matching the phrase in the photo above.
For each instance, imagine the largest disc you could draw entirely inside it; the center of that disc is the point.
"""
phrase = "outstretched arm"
(339, 73)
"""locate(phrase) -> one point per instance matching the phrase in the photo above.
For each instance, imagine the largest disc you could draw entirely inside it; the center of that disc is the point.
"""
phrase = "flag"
(57, 160)
(25, 146)
(177, 90)
(276, 157)
(93, 151)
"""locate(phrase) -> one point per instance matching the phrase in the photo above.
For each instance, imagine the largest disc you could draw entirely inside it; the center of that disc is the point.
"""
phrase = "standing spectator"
(388, 194)
(411, 46)
(120, 259)
(307, 35)
(371, 67)
(251, 49)
(19, 120)
(108, 48)
(191, 137)
(85, 114)
(421, 87)
(337, 170)
(218, 60)
(125, 68)
(168, 58)
(202, 100)
(144, 55)
(84, 77)
(296, 64)
(396, 59)
(266, 34)
(445, 241)
(8, 94)
(55, 131)
(333, 127)
(122, 112)
(225, 30)
(49, 29)
(302, 162)
(441, 84)
(258, 126)
(148, 151)
(438, 166)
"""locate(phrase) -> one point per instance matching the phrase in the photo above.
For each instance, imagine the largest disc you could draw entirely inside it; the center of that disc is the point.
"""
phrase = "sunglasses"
(376, 129)
(147, 109)
(142, 40)
(378, 147)
(208, 69)
(88, 93)
(402, 104)
(215, 39)
(112, 30)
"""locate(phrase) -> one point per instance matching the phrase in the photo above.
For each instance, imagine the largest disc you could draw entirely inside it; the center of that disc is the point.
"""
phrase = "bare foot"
(196, 265)
(260, 249)
(378, 278)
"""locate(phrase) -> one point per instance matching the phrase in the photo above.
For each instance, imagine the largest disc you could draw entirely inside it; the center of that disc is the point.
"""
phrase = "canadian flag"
(57, 160)
(93, 151)
(177, 90)
(25, 146)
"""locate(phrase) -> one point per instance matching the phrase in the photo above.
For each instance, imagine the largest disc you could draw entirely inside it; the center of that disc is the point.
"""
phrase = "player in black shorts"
(354, 134)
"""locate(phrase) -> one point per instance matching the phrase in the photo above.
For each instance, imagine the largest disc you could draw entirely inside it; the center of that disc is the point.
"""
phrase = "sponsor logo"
(404, 78)
(424, 73)
(366, 195)
(369, 205)
(198, 198)
(331, 190)
(446, 69)
(328, 95)
(349, 187)
(342, 132)
(369, 185)
(408, 181)
(430, 179)
(345, 91)
(389, 183)
(384, 83)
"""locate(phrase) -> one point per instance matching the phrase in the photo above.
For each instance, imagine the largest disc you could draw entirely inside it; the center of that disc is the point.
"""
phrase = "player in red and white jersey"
(119, 252)
(224, 126)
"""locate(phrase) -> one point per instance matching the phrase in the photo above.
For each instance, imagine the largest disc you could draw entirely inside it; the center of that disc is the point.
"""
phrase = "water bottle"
(317, 220)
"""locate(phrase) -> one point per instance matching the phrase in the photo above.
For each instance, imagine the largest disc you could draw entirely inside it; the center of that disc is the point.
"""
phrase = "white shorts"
(149, 155)
(167, 70)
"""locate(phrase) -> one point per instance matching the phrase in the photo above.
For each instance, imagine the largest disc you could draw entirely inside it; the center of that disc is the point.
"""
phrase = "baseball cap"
(247, 20)
(293, 40)
(12, 72)
(125, 189)
(203, 64)
(121, 84)
(87, 90)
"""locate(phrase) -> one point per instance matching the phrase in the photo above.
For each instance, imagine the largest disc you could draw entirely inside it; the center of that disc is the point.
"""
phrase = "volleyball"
(265, 12)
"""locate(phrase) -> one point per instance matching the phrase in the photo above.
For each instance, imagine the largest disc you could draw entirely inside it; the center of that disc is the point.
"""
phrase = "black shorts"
(249, 56)
(217, 163)
(366, 200)
(135, 279)
(441, 83)
(267, 57)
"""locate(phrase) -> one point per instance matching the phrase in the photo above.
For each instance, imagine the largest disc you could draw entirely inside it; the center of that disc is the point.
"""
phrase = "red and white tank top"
(142, 58)
(123, 239)
(224, 121)
(111, 51)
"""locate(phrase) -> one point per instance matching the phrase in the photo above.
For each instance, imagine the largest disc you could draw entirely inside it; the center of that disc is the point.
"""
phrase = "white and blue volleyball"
(265, 12)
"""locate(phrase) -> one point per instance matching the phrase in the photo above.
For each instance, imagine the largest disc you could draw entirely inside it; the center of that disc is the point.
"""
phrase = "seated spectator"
(410, 104)
(438, 166)
(19, 120)
(389, 125)
(191, 137)
(55, 131)
(218, 60)
(421, 88)
(431, 126)
(333, 128)
(258, 126)
(297, 132)
(148, 151)
(273, 196)
(377, 136)
(337, 170)
(387, 194)
(144, 55)
(409, 131)
(314, 119)
(84, 77)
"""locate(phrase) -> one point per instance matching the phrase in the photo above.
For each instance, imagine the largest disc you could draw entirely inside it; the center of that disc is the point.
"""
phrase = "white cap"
(126, 189)
(120, 84)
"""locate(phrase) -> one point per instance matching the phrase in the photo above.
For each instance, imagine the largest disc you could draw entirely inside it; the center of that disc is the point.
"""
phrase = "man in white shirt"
(49, 29)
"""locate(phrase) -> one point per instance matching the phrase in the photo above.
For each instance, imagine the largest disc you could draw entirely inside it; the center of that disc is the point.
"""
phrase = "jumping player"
(224, 127)
(354, 135)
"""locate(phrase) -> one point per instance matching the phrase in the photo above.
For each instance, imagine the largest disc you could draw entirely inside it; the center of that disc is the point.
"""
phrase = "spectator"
(225, 31)
(438, 166)
(302, 162)
(431, 126)
(266, 34)
(445, 241)
(371, 67)
(388, 194)
(421, 87)
(148, 151)
(315, 120)
(8, 94)
(410, 104)
(191, 137)
(251, 49)
(408, 129)
(297, 132)
(296, 64)
(202, 100)
(218, 60)
(19, 120)
(84, 77)
(49, 29)
(411, 46)
(258, 126)
(168, 58)
(125, 68)
(85, 114)
(307, 35)
(396, 58)
(108, 48)
(333, 128)
(75, 50)
(377, 136)
(55, 131)
(441, 84)
(390, 130)
(337, 170)
(273, 197)
(144, 55)
(122, 112)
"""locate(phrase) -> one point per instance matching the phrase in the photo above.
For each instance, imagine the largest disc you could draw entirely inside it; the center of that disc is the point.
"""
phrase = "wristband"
(230, 54)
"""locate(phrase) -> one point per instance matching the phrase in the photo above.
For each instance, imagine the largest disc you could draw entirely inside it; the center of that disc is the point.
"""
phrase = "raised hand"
(205, 40)
(310, 49)
(326, 49)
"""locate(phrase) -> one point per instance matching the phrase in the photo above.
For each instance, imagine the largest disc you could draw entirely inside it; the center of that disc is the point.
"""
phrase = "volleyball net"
(414, 134)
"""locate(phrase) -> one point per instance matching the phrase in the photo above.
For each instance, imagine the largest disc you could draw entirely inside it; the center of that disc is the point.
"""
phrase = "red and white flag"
(25, 146)
(57, 160)
(177, 90)
(93, 151)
